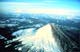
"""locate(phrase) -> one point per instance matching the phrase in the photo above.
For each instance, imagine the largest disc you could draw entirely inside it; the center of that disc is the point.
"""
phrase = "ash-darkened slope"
(68, 30)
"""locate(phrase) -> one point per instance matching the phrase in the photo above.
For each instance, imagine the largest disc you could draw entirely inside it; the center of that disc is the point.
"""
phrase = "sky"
(41, 6)
(35, 0)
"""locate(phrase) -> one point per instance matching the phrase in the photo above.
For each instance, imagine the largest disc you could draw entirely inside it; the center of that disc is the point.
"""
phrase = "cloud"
(36, 8)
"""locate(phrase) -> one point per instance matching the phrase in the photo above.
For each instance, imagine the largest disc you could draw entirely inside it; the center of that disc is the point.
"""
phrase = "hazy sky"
(43, 5)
